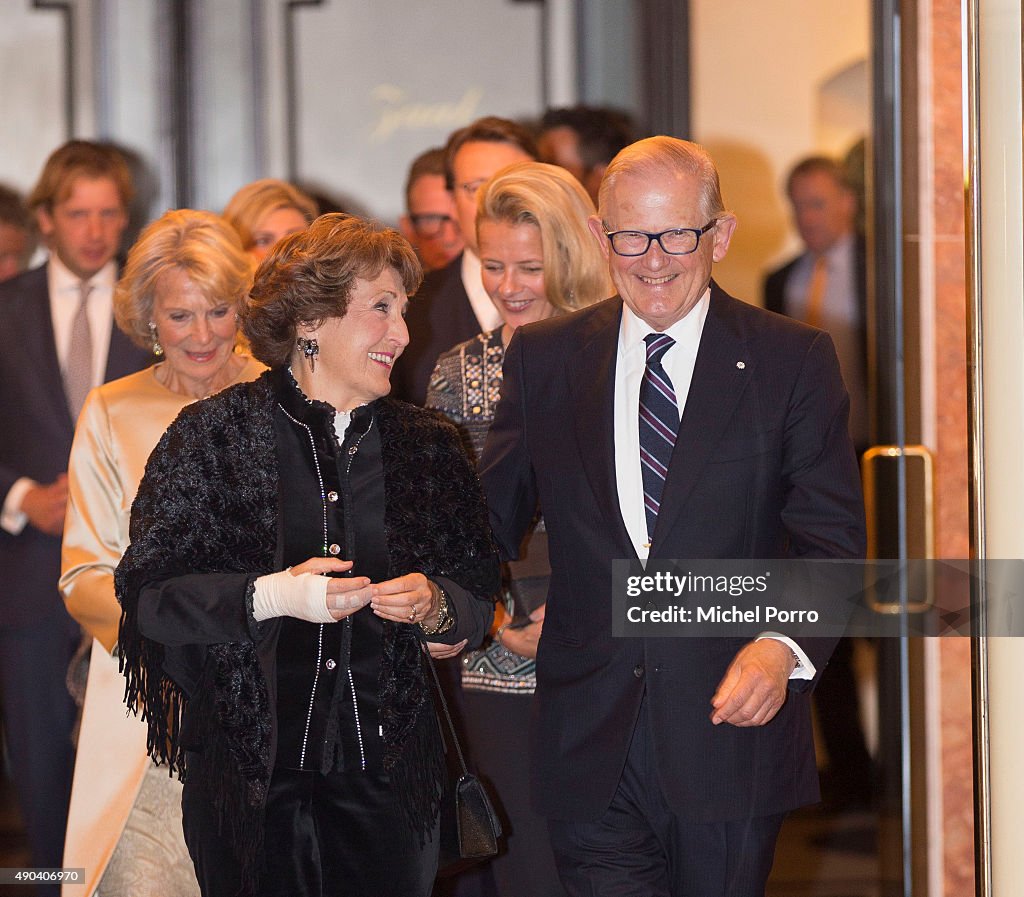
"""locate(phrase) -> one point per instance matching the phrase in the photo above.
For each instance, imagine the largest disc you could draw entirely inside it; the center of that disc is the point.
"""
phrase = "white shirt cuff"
(804, 669)
(12, 518)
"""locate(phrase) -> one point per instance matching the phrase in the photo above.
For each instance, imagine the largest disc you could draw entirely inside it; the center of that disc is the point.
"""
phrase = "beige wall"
(760, 104)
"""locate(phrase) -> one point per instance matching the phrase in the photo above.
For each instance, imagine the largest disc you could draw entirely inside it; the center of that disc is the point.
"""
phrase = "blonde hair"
(200, 244)
(660, 154)
(551, 199)
(253, 202)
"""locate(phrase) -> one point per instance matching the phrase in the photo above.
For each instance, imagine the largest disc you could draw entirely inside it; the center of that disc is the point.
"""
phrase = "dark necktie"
(78, 367)
(659, 420)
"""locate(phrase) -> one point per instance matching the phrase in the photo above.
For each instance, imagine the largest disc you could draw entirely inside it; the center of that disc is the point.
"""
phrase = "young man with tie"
(57, 341)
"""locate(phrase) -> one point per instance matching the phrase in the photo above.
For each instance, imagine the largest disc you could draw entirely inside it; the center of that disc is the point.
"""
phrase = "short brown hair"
(75, 159)
(13, 210)
(489, 129)
(15, 213)
(308, 277)
(601, 131)
(819, 164)
(429, 162)
(551, 199)
(254, 201)
(200, 244)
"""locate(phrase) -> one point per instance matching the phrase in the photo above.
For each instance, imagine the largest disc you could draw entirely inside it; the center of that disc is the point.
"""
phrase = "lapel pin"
(741, 365)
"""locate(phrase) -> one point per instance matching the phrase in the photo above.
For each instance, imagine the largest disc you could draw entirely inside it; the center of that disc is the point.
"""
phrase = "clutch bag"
(470, 828)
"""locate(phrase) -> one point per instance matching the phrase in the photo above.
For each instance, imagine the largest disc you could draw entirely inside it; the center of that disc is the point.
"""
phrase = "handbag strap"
(447, 716)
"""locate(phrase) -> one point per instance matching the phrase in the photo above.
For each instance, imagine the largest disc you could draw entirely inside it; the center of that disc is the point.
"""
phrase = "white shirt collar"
(837, 257)
(487, 315)
(686, 330)
(341, 421)
(62, 280)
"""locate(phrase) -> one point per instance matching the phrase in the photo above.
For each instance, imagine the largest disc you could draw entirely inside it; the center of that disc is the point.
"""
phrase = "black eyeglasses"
(677, 241)
(430, 225)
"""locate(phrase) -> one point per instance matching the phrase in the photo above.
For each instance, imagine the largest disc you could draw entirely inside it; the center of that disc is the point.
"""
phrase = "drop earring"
(310, 348)
(158, 350)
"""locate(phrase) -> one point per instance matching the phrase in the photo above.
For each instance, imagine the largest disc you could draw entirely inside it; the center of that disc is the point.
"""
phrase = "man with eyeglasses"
(430, 223)
(670, 422)
(452, 305)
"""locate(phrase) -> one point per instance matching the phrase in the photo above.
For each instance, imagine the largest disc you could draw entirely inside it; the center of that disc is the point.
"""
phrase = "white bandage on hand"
(283, 595)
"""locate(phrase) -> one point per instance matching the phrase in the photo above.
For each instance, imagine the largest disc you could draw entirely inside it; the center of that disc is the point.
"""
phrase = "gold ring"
(412, 614)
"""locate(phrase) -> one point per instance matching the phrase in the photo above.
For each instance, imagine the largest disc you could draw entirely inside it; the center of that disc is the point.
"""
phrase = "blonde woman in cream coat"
(183, 281)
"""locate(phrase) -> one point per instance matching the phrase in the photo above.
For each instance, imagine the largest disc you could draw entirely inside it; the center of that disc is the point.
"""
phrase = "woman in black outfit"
(294, 543)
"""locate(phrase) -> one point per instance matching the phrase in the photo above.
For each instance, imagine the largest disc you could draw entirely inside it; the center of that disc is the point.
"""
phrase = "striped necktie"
(659, 420)
(78, 368)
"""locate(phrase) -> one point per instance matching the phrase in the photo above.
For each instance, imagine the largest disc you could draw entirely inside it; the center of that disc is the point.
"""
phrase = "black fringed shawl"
(208, 504)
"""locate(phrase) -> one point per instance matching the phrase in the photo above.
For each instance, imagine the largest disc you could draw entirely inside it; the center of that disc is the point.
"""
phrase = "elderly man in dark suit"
(665, 766)
(57, 341)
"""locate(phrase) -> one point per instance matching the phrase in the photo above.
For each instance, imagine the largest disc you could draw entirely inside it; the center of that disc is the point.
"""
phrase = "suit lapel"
(461, 307)
(123, 357)
(592, 386)
(718, 382)
(41, 347)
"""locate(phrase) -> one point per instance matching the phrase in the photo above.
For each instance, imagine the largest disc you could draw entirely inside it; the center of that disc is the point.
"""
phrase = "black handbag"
(470, 828)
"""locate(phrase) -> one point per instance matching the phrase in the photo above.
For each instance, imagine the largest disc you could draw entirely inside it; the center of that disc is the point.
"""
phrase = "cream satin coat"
(119, 426)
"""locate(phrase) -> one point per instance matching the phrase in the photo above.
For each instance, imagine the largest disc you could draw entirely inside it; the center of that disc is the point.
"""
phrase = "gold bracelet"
(445, 620)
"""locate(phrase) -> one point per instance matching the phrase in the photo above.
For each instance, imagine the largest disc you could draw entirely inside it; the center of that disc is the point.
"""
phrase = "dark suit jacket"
(440, 316)
(36, 430)
(762, 468)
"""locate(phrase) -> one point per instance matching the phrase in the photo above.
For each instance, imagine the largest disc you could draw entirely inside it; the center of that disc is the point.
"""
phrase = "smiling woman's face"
(512, 270)
(358, 350)
(197, 335)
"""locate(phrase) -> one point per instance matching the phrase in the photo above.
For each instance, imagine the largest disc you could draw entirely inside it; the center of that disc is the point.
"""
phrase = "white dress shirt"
(678, 362)
(487, 314)
(630, 363)
(65, 293)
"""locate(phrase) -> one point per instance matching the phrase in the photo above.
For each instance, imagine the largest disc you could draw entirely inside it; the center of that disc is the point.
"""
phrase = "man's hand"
(44, 506)
(754, 687)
